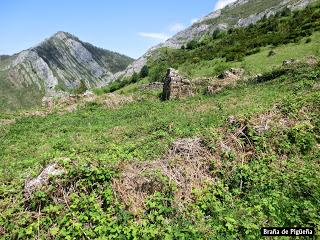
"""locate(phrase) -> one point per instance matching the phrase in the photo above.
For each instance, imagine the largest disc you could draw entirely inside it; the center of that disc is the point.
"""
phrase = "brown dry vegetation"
(186, 166)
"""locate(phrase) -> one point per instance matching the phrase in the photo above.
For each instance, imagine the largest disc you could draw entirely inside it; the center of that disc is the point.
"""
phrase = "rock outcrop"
(43, 178)
(176, 86)
(232, 73)
(227, 78)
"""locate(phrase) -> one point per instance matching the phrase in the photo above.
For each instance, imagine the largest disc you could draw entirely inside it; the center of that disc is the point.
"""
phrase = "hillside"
(241, 13)
(239, 153)
(57, 66)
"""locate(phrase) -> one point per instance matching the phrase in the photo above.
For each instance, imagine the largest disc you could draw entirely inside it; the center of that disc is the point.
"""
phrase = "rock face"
(175, 86)
(60, 65)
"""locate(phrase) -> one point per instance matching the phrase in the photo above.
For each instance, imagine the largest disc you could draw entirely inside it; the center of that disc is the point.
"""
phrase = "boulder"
(88, 94)
(232, 73)
(176, 86)
(289, 62)
(43, 179)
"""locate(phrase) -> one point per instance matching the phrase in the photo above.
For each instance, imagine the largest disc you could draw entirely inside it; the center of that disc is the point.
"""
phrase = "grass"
(260, 178)
(256, 63)
(260, 62)
(97, 137)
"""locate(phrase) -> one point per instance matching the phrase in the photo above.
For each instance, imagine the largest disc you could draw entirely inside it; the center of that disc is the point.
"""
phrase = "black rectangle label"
(269, 232)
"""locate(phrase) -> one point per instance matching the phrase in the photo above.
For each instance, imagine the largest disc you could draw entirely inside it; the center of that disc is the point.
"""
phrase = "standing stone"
(175, 86)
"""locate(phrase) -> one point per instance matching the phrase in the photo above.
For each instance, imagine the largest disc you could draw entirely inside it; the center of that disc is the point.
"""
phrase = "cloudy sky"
(126, 26)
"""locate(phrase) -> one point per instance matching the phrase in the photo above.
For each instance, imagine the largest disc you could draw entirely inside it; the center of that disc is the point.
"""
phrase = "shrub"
(308, 40)
(192, 44)
(302, 136)
(81, 89)
(271, 53)
(134, 78)
(144, 71)
(158, 73)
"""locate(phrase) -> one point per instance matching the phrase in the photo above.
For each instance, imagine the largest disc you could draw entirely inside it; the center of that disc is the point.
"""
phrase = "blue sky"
(128, 27)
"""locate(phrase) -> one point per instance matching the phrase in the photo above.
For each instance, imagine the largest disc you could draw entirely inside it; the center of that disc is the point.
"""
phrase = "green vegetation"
(231, 15)
(124, 81)
(81, 89)
(261, 136)
(277, 185)
(222, 49)
(115, 61)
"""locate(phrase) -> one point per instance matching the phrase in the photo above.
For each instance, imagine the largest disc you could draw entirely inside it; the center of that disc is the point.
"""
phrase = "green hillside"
(217, 166)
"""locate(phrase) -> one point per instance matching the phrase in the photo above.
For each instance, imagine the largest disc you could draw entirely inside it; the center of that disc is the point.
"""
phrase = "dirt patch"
(2, 231)
(112, 100)
(311, 60)
(186, 165)
(5, 122)
(268, 120)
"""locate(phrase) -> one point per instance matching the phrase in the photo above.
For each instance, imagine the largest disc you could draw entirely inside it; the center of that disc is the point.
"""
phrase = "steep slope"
(241, 13)
(56, 66)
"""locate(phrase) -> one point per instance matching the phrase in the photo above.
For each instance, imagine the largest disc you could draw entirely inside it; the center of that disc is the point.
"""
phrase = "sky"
(125, 26)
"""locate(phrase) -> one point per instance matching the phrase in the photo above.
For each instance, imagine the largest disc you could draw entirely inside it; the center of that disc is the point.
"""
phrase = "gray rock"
(43, 178)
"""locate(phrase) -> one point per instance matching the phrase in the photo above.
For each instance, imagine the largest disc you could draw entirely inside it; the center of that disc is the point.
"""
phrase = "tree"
(192, 44)
(144, 71)
(135, 77)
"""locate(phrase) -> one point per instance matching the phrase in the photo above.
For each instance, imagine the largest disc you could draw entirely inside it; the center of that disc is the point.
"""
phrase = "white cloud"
(156, 36)
(222, 3)
(194, 20)
(177, 27)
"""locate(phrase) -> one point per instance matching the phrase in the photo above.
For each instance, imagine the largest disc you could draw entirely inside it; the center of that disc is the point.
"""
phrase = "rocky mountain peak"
(59, 65)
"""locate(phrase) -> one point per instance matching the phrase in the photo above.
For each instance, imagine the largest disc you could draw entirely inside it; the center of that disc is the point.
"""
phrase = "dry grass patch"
(113, 100)
(4, 122)
(186, 166)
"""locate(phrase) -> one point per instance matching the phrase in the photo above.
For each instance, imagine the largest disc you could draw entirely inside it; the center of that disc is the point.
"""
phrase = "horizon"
(27, 24)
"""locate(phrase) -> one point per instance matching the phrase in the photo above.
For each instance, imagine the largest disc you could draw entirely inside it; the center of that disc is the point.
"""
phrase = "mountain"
(58, 65)
(241, 13)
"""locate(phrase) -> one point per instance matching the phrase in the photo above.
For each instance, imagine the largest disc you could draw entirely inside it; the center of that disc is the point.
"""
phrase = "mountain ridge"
(240, 13)
(58, 65)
